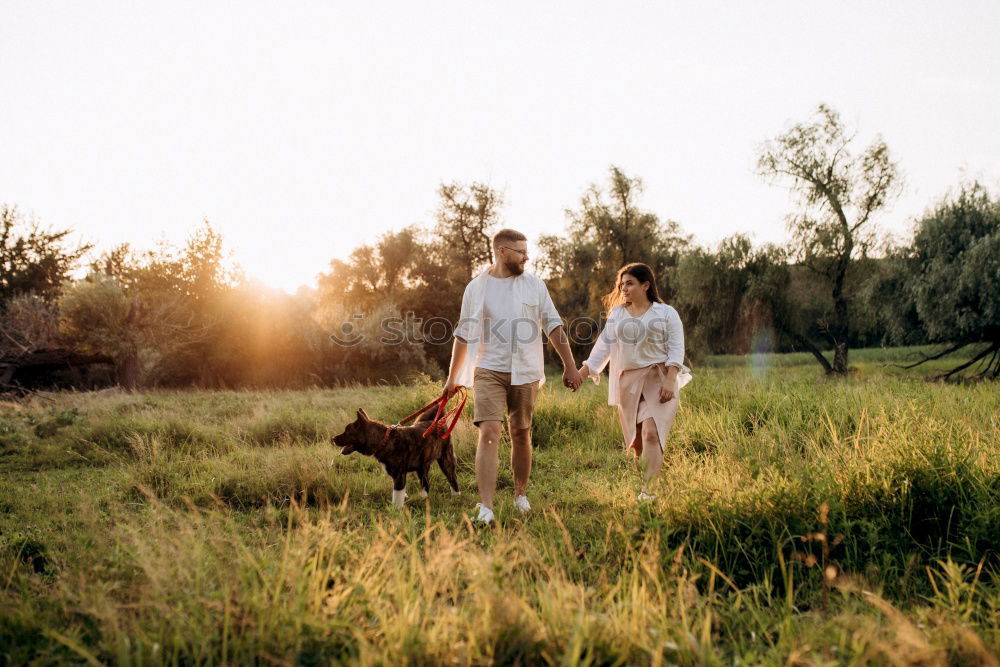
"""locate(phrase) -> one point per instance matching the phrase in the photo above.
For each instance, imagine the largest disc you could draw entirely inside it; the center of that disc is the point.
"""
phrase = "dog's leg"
(399, 489)
(425, 485)
(448, 465)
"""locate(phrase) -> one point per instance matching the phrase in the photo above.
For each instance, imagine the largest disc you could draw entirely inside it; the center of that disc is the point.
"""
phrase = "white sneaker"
(485, 515)
(643, 496)
(522, 504)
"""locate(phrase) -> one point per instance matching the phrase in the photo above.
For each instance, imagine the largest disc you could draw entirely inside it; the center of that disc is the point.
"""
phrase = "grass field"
(800, 520)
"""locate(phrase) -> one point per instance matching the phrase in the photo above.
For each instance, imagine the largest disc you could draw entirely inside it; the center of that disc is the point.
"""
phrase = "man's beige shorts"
(492, 392)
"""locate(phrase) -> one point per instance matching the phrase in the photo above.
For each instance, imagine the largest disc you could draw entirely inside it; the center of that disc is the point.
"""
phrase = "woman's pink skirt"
(639, 400)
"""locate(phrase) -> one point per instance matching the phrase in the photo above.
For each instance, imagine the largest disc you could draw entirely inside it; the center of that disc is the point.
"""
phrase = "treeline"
(182, 317)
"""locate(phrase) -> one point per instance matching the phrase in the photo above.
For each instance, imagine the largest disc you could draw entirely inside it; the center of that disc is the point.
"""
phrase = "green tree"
(205, 277)
(381, 344)
(160, 313)
(159, 319)
(568, 267)
(386, 270)
(100, 317)
(28, 323)
(467, 216)
(730, 296)
(611, 219)
(839, 193)
(415, 273)
(32, 259)
(404, 277)
(608, 230)
(952, 275)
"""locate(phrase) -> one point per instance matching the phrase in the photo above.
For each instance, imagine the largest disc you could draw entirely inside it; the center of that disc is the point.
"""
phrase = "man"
(498, 351)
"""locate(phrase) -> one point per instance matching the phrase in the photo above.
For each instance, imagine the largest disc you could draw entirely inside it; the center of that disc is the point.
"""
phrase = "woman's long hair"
(640, 272)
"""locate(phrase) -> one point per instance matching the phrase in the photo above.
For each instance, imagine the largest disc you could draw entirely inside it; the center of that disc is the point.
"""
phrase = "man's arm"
(571, 377)
(554, 330)
(459, 349)
(464, 329)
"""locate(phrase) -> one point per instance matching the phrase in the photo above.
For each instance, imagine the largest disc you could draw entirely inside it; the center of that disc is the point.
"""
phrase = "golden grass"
(224, 528)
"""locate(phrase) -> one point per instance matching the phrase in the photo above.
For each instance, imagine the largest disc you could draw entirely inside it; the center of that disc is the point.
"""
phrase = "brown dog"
(401, 450)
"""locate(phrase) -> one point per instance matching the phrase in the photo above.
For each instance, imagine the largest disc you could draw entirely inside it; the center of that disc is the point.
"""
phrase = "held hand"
(571, 379)
(666, 391)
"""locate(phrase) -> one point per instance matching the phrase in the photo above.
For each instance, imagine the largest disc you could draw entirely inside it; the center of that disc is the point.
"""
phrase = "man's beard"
(516, 268)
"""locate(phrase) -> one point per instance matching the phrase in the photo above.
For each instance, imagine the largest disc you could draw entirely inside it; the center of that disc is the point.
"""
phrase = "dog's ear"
(363, 415)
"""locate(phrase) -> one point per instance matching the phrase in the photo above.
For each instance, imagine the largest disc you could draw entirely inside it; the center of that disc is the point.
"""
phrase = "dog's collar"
(385, 438)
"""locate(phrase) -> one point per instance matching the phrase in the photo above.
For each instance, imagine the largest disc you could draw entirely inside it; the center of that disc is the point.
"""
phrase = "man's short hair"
(507, 236)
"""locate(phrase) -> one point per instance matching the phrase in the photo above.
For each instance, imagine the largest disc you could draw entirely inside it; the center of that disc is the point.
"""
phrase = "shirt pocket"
(530, 308)
(526, 329)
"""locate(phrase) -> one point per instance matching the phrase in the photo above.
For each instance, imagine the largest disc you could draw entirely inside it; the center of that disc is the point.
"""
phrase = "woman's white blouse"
(656, 337)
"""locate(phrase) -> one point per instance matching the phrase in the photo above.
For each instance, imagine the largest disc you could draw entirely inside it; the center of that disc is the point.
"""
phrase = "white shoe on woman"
(522, 504)
(485, 515)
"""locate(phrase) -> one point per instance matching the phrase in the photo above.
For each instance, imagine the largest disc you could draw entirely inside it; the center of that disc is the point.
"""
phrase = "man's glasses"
(521, 252)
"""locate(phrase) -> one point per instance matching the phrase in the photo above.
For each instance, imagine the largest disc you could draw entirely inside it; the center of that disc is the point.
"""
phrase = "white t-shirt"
(501, 312)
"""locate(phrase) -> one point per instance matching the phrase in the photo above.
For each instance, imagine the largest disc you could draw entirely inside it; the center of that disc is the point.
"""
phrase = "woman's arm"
(668, 382)
(674, 342)
(601, 352)
(674, 339)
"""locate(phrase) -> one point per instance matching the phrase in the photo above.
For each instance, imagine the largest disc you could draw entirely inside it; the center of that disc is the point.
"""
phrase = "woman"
(644, 341)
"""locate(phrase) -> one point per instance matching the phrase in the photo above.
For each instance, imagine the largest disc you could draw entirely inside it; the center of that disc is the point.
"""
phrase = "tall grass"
(221, 527)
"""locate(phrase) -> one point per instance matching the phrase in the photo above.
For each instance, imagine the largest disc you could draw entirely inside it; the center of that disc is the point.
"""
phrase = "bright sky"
(303, 129)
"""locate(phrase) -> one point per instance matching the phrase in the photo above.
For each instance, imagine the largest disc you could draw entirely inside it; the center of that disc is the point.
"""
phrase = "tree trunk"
(208, 373)
(808, 345)
(839, 332)
(841, 322)
(128, 370)
(840, 358)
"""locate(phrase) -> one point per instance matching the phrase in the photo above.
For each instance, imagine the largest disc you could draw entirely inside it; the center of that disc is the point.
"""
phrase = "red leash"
(441, 417)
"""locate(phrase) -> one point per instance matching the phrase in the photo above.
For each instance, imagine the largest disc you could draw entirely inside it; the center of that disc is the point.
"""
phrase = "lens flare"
(760, 352)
